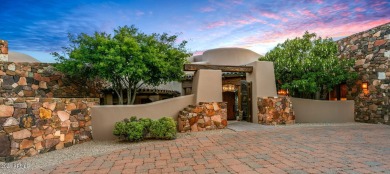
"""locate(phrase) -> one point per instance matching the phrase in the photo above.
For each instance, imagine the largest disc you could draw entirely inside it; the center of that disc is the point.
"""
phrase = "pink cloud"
(249, 20)
(293, 15)
(319, 1)
(274, 16)
(338, 7)
(216, 24)
(207, 9)
(321, 29)
(307, 13)
(358, 9)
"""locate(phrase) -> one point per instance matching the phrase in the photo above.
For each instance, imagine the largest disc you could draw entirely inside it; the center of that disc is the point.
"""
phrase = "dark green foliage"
(133, 118)
(309, 67)
(127, 59)
(164, 128)
(136, 130)
(120, 129)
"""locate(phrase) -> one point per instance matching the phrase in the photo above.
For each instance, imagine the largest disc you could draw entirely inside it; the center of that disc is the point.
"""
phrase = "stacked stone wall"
(43, 81)
(275, 111)
(29, 126)
(371, 50)
(3, 50)
(205, 116)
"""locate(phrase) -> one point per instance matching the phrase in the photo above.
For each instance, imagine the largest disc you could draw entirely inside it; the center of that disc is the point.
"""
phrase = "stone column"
(3, 50)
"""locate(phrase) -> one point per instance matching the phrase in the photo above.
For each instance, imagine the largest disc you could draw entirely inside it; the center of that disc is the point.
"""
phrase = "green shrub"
(136, 130)
(146, 122)
(164, 128)
(133, 118)
(120, 129)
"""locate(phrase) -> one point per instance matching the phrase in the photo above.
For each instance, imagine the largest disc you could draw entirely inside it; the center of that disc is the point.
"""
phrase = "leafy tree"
(309, 66)
(128, 59)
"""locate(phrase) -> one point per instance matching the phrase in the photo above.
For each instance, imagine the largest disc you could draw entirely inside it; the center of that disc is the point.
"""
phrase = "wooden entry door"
(246, 100)
(229, 97)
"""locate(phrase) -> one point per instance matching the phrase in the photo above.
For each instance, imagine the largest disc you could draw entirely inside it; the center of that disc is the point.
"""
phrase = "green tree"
(308, 66)
(128, 59)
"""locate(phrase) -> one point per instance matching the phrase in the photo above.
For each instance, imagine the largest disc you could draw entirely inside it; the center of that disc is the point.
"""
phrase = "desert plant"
(164, 128)
(120, 129)
(134, 131)
(146, 122)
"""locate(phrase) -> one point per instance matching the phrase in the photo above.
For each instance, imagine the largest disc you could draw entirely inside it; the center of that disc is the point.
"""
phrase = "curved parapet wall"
(104, 117)
(228, 56)
(321, 111)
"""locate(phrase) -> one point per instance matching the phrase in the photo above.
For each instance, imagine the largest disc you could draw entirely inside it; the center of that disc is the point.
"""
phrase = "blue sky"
(38, 27)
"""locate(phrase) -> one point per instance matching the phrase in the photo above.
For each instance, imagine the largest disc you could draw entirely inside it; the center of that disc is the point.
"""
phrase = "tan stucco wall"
(104, 117)
(263, 83)
(321, 111)
(227, 56)
(207, 86)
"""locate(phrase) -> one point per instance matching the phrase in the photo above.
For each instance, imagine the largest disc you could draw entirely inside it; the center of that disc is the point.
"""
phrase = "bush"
(164, 128)
(120, 129)
(129, 130)
(136, 130)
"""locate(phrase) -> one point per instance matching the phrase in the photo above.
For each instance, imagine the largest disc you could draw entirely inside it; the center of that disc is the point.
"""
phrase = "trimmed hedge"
(137, 130)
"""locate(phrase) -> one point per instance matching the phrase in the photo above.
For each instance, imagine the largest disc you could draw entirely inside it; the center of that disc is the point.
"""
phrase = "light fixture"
(365, 85)
(228, 88)
(282, 92)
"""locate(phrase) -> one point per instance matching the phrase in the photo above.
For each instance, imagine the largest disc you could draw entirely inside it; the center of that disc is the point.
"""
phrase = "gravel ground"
(94, 148)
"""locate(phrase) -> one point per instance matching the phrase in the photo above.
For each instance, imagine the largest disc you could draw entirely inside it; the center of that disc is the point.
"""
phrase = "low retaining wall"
(275, 110)
(29, 126)
(106, 116)
(321, 111)
(205, 116)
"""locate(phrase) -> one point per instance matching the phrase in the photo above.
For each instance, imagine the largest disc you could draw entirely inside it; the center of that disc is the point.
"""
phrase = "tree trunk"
(129, 96)
(134, 94)
(120, 96)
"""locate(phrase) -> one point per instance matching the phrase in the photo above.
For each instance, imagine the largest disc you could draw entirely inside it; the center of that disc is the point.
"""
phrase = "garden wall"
(322, 111)
(29, 126)
(104, 117)
(275, 110)
(42, 81)
(371, 49)
(205, 116)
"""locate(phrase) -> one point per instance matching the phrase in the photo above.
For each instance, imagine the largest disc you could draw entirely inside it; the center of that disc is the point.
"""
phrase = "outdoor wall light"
(282, 92)
(365, 85)
(228, 88)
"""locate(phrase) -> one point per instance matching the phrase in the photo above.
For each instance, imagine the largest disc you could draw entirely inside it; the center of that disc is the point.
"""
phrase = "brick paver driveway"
(358, 148)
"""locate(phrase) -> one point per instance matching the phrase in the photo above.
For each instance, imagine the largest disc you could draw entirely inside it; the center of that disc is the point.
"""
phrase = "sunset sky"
(38, 27)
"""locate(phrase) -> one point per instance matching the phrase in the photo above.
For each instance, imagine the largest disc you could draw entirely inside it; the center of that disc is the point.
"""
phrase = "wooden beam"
(223, 68)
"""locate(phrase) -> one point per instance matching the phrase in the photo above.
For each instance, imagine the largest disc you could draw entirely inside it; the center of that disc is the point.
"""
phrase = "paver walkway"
(361, 148)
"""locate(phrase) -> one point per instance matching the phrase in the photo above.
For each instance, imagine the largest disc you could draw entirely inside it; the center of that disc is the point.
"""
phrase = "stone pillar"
(263, 83)
(3, 50)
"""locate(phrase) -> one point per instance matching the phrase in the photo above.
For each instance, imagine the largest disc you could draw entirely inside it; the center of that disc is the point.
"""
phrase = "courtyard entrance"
(236, 91)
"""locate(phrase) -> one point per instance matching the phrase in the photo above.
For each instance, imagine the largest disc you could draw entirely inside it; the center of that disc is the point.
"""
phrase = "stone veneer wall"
(3, 50)
(29, 126)
(275, 110)
(371, 49)
(205, 116)
(41, 80)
